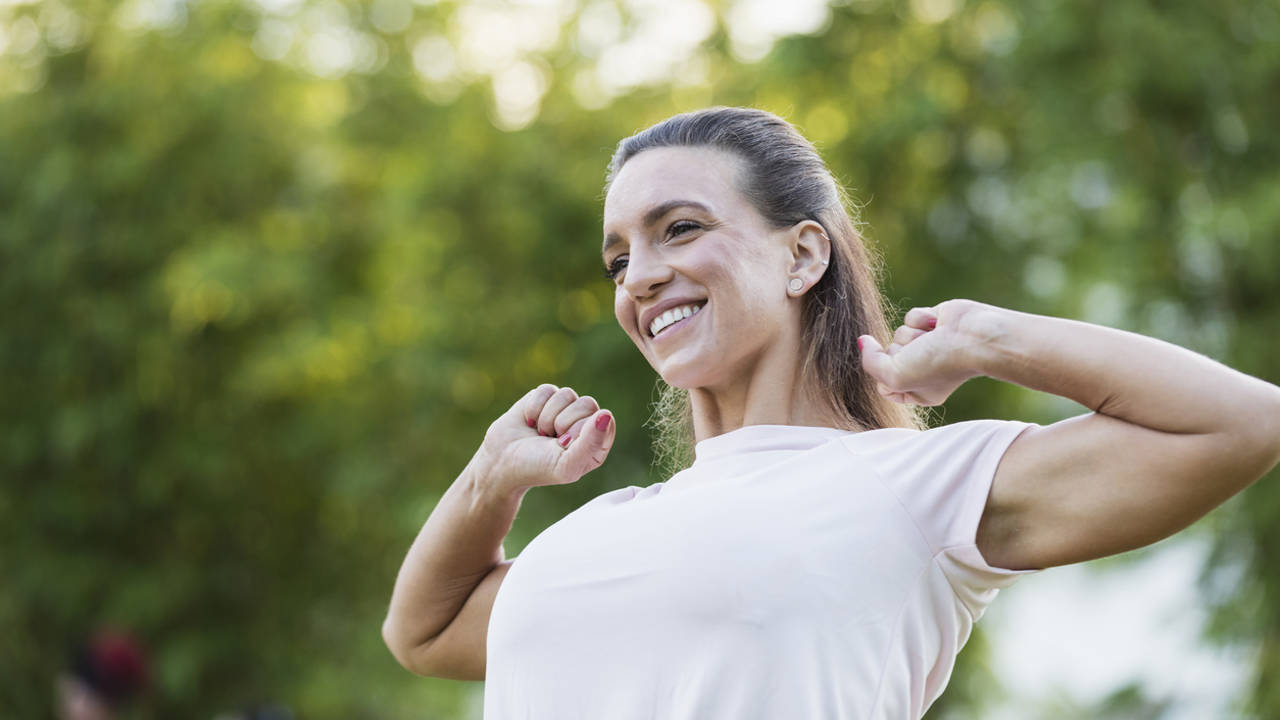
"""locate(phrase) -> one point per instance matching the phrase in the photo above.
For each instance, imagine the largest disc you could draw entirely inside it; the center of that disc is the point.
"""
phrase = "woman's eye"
(615, 268)
(681, 227)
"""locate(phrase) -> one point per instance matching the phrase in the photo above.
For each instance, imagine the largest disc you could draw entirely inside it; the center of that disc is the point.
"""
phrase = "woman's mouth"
(673, 318)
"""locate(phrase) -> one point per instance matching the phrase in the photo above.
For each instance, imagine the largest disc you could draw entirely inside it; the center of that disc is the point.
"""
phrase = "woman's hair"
(787, 182)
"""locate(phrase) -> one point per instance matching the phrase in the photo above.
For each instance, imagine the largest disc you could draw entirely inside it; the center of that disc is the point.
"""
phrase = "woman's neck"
(766, 401)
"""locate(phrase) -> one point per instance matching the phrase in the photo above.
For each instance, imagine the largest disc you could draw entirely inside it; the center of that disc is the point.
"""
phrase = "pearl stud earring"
(795, 284)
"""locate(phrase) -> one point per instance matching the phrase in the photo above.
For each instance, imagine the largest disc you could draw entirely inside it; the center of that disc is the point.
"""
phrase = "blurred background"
(268, 268)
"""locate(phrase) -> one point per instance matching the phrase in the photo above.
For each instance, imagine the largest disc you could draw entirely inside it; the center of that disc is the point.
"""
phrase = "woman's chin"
(687, 364)
(685, 376)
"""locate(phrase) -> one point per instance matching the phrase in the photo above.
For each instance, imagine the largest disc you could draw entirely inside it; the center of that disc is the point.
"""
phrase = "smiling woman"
(737, 201)
(824, 555)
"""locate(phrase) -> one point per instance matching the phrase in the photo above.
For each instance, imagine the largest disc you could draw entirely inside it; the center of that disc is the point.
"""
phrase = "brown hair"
(788, 182)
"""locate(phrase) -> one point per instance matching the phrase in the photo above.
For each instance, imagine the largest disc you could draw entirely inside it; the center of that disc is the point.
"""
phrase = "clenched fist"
(551, 436)
(932, 352)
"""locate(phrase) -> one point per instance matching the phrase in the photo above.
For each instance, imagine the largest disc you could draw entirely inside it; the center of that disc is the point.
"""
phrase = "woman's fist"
(931, 353)
(551, 436)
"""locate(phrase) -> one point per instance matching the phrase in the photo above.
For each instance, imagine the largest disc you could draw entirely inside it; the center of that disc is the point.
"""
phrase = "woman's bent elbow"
(1265, 431)
(410, 655)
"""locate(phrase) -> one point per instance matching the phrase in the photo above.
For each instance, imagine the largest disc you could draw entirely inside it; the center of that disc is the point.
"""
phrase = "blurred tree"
(270, 268)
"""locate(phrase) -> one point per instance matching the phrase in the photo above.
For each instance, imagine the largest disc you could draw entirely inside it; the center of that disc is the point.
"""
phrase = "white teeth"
(672, 316)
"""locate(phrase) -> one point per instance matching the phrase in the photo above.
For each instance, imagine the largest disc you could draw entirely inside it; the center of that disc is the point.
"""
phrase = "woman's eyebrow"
(653, 215)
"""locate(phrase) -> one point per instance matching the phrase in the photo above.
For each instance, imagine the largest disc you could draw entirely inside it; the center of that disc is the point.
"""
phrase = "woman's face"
(701, 276)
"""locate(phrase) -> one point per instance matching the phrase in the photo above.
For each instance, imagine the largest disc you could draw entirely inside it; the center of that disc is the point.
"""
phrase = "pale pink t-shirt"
(790, 572)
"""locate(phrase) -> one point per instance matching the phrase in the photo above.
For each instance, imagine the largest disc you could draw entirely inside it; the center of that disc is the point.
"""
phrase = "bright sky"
(1084, 631)
(631, 43)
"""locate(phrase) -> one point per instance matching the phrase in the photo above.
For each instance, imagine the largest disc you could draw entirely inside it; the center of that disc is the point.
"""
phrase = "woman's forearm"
(458, 545)
(1132, 377)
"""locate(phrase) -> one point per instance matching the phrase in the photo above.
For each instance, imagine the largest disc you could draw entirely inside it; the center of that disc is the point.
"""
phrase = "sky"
(1082, 632)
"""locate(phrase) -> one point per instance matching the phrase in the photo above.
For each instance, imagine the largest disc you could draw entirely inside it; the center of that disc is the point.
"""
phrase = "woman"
(824, 556)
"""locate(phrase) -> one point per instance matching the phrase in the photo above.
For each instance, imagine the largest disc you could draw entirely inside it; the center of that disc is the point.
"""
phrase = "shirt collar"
(762, 438)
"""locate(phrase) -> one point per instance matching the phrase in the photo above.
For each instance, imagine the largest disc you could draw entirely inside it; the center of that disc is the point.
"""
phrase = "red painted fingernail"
(859, 343)
(531, 423)
(602, 423)
(933, 323)
(564, 440)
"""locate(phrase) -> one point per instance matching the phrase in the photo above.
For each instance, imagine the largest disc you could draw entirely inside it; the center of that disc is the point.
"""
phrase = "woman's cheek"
(624, 312)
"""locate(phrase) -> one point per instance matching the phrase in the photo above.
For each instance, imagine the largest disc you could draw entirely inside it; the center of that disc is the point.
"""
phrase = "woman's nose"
(646, 272)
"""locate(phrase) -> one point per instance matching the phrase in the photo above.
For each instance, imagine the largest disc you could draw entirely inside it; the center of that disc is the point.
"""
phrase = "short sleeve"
(942, 477)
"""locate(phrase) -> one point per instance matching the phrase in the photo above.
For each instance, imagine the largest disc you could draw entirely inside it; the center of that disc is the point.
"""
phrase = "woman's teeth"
(671, 317)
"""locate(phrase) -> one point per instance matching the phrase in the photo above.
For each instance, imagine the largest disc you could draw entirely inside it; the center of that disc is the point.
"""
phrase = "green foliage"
(256, 318)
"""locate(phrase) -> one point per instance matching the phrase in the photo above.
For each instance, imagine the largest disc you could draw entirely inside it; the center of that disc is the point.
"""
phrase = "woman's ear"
(810, 252)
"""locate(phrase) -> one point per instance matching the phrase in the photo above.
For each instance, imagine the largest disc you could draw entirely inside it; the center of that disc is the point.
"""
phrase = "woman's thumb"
(875, 361)
(589, 449)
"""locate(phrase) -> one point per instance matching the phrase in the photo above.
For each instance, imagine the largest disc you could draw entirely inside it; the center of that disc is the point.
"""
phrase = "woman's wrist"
(489, 483)
(990, 345)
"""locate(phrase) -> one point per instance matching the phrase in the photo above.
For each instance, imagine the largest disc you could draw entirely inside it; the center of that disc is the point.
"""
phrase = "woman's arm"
(1172, 433)
(443, 595)
(440, 579)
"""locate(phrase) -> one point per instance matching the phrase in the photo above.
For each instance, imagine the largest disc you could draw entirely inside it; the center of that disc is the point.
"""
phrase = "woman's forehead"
(654, 177)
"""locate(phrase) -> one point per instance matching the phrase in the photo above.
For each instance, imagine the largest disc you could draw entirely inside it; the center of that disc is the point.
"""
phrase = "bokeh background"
(269, 268)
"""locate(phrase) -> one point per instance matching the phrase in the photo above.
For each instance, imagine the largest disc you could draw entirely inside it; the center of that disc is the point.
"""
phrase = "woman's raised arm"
(445, 590)
(1172, 433)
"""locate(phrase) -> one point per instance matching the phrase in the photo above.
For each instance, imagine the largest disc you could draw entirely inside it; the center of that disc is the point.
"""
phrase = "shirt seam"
(934, 553)
(896, 498)
(895, 638)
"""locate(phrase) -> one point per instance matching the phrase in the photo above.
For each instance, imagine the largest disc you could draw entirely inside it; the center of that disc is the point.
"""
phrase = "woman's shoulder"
(903, 447)
(976, 428)
(618, 496)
